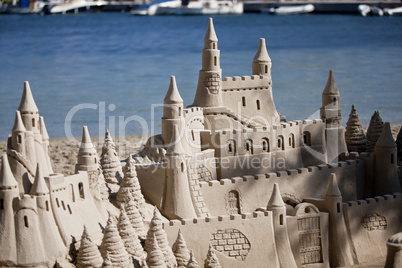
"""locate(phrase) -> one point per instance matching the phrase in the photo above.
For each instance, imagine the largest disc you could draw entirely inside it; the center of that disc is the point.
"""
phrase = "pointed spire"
(39, 186)
(333, 189)
(27, 103)
(210, 34)
(375, 131)
(331, 88)
(262, 53)
(18, 124)
(7, 180)
(276, 198)
(175, 147)
(173, 95)
(86, 142)
(43, 131)
(386, 139)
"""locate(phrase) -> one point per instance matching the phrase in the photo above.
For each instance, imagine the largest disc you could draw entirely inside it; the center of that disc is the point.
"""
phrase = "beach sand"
(63, 152)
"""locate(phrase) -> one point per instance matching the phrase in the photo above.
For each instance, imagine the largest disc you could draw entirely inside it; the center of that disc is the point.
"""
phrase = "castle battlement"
(26, 202)
(254, 82)
(374, 202)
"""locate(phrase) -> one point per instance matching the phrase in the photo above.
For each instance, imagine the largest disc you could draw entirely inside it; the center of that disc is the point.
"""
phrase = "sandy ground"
(64, 152)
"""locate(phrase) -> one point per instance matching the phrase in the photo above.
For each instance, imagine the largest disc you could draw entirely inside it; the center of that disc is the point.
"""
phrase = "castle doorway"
(233, 202)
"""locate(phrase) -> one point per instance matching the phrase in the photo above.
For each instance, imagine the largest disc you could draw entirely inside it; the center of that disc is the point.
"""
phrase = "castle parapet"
(253, 82)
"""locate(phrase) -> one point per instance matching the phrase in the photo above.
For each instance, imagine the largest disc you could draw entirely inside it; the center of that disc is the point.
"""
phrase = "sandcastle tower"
(355, 139)
(374, 131)
(130, 238)
(212, 260)
(110, 162)
(181, 251)
(155, 258)
(8, 192)
(113, 245)
(262, 62)
(331, 114)
(339, 245)
(130, 187)
(278, 208)
(209, 88)
(394, 252)
(88, 254)
(156, 232)
(177, 203)
(386, 179)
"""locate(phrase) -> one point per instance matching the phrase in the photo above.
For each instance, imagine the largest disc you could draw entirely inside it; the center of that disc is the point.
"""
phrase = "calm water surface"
(123, 63)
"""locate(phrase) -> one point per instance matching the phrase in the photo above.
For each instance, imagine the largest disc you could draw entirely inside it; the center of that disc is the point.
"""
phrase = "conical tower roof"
(18, 124)
(276, 198)
(210, 35)
(333, 189)
(43, 130)
(39, 186)
(175, 146)
(86, 142)
(331, 88)
(27, 103)
(386, 139)
(7, 179)
(173, 95)
(262, 53)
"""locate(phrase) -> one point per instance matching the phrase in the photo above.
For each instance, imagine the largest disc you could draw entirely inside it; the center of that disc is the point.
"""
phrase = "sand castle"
(232, 185)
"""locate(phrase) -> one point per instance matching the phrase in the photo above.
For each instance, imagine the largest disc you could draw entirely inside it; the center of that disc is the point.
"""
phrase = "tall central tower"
(209, 89)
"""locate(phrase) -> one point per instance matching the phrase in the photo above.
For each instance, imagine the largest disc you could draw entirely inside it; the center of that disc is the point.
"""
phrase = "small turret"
(386, 169)
(87, 155)
(330, 111)
(173, 103)
(210, 38)
(29, 110)
(18, 134)
(39, 186)
(277, 206)
(262, 62)
(7, 180)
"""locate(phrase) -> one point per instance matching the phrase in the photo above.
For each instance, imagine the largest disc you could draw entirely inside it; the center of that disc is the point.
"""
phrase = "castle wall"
(295, 184)
(152, 179)
(245, 240)
(73, 207)
(371, 222)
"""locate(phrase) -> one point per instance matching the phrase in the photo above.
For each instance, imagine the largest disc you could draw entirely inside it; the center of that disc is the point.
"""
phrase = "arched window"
(249, 146)
(258, 105)
(213, 45)
(281, 145)
(281, 219)
(26, 223)
(292, 140)
(233, 202)
(307, 138)
(81, 190)
(265, 145)
(231, 147)
(19, 139)
(243, 100)
(334, 101)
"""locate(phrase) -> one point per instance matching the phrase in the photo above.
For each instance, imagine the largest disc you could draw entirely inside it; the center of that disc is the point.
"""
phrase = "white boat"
(290, 10)
(157, 7)
(211, 7)
(365, 10)
(393, 11)
(77, 6)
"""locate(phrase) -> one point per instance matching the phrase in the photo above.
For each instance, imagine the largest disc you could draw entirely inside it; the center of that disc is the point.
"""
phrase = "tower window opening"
(334, 101)
(338, 207)
(19, 139)
(96, 160)
(192, 135)
(392, 158)
(307, 138)
(47, 205)
(258, 105)
(281, 219)
(213, 45)
(179, 111)
(26, 223)
(72, 192)
(265, 145)
(62, 203)
(57, 202)
(1, 204)
(230, 148)
(33, 122)
(266, 69)
(215, 60)
(249, 146)
(281, 145)
(69, 209)
(182, 167)
(243, 99)
(81, 190)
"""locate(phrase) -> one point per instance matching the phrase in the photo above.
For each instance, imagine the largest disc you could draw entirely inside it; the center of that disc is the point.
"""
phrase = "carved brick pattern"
(213, 83)
(232, 243)
(373, 222)
(203, 173)
(310, 240)
(196, 194)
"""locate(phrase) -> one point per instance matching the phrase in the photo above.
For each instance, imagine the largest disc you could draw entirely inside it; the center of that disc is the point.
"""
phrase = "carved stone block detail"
(232, 243)
(374, 221)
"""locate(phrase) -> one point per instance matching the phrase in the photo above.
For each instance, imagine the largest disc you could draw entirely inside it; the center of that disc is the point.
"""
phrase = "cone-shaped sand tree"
(88, 254)
(211, 261)
(355, 138)
(181, 251)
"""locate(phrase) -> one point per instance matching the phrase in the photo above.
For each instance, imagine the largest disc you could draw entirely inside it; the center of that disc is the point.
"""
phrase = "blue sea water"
(112, 70)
